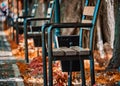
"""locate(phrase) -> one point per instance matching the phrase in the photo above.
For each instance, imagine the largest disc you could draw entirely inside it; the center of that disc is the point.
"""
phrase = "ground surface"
(32, 72)
(8, 67)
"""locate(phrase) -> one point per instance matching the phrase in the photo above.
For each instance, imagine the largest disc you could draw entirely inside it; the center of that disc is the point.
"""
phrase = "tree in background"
(115, 60)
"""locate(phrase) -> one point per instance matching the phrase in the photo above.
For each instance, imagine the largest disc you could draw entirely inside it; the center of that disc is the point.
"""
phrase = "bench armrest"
(65, 26)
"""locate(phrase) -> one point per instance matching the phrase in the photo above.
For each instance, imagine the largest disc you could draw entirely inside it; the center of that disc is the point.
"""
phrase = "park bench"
(71, 52)
(19, 22)
(35, 31)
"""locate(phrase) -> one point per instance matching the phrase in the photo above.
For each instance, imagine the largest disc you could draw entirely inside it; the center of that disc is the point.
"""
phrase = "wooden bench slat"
(68, 51)
(58, 52)
(81, 51)
(22, 27)
(34, 34)
(86, 21)
(88, 10)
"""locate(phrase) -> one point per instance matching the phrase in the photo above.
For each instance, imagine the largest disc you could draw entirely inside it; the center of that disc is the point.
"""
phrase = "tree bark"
(105, 31)
(71, 12)
(115, 60)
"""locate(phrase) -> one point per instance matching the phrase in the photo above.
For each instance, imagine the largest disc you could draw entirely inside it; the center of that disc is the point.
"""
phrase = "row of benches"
(68, 48)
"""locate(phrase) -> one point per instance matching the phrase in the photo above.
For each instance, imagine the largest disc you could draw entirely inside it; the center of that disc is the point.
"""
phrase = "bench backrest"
(33, 11)
(50, 9)
(89, 15)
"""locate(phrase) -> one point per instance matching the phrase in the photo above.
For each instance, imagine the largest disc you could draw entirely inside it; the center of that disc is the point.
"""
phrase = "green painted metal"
(17, 40)
(48, 17)
(70, 75)
(91, 36)
(50, 56)
(93, 22)
(57, 18)
(57, 11)
(50, 59)
(25, 38)
(25, 15)
(25, 26)
(26, 7)
(44, 52)
(44, 56)
(34, 8)
(51, 5)
(81, 31)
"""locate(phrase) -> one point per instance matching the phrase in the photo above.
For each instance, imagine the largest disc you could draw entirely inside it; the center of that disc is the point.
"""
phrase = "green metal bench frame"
(26, 36)
(19, 25)
(57, 54)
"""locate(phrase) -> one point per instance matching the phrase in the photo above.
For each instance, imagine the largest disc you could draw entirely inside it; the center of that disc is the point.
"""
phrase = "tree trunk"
(71, 12)
(105, 26)
(115, 60)
(111, 20)
(105, 32)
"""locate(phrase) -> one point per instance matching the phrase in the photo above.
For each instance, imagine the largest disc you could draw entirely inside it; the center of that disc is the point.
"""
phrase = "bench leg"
(50, 72)
(82, 72)
(44, 70)
(13, 35)
(44, 55)
(70, 75)
(92, 73)
(17, 36)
